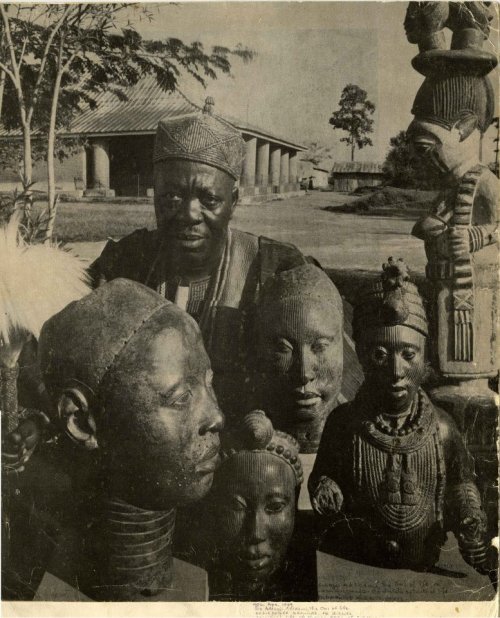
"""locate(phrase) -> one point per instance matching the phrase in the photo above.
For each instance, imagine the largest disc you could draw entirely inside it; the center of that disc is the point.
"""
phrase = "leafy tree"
(56, 58)
(353, 116)
(316, 153)
(404, 169)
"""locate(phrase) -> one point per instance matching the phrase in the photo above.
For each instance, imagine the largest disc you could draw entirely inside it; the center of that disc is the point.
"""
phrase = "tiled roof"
(357, 167)
(145, 106)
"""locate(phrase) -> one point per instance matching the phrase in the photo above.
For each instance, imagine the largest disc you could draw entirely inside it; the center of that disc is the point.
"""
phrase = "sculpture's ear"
(466, 125)
(76, 417)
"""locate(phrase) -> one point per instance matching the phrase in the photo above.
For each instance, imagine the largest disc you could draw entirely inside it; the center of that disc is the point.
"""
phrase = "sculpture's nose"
(213, 419)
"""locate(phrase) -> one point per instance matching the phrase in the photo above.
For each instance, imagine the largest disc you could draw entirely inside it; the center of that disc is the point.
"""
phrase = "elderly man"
(194, 258)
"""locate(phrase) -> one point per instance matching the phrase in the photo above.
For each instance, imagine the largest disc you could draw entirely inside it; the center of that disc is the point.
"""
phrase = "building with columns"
(119, 138)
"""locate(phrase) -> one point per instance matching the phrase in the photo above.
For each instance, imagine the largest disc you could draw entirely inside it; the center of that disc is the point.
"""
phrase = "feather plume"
(36, 282)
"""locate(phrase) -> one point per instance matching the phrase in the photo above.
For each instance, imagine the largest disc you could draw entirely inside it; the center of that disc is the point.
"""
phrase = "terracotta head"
(128, 374)
(390, 331)
(300, 351)
(197, 163)
(254, 501)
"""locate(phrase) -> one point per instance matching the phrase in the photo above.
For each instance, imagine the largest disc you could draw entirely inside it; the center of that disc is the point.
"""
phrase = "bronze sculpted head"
(197, 163)
(253, 502)
(300, 325)
(390, 330)
(129, 375)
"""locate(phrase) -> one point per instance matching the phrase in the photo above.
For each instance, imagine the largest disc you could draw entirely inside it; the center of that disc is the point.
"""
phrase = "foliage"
(353, 116)
(404, 169)
(316, 153)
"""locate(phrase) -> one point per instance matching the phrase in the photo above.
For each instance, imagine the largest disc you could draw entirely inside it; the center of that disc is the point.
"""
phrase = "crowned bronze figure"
(252, 508)
(392, 474)
(127, 372)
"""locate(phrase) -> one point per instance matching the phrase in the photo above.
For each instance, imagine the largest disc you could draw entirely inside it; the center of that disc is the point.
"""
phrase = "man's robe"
(226, 310)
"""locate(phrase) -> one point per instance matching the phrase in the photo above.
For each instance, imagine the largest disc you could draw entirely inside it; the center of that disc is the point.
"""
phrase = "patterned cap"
(392, 301)
(201, 137)
(255, 434)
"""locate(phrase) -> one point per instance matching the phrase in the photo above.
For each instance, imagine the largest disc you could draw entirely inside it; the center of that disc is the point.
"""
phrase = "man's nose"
(256, 527)
(191, 210)
(305, 365)
(213, 419)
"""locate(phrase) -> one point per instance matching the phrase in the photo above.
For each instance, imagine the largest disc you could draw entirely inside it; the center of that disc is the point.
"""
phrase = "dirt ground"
(341, 241)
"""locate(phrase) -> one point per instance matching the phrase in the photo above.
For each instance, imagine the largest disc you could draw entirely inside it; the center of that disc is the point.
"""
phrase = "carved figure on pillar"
(133, 387)
(392, 474)
(453, 108)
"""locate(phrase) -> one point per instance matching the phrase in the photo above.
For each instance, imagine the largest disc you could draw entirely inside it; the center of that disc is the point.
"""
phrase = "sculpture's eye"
(275, 506)
(177, 400)
(282, 346)
(408, 354)
(236, 504)
(379, 355)
(423, 148)
(321, 345)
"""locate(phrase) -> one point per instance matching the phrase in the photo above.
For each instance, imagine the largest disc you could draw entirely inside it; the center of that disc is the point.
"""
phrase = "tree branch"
(45, 55)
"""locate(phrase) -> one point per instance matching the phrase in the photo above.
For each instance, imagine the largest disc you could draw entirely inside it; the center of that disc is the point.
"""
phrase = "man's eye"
(423, 148)
(275, 507)
(210, 201)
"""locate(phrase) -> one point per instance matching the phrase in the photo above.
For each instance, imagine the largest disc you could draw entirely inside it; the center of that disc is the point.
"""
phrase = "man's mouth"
(398, 392)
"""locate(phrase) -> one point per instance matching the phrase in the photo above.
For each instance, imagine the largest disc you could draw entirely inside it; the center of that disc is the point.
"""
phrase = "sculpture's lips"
(304, 400)
(398, 392)
(255, 562)
(210, 461)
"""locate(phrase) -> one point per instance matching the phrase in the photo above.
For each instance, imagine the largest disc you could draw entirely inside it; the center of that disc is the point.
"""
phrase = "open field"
(342, 241)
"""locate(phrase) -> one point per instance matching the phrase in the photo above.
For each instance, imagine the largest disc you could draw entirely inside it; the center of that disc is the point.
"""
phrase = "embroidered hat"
(255, 434)
(392, 301)
(201, 137)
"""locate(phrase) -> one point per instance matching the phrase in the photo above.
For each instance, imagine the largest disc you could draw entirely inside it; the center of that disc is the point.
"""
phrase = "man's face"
(161, 420)
(254, 497)
(193, 204)
(393, 360)
(300, 343)
(437, 145)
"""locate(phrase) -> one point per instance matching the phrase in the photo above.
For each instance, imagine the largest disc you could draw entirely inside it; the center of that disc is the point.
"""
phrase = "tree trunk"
(352, 151)
(2, 88)
(51, 176)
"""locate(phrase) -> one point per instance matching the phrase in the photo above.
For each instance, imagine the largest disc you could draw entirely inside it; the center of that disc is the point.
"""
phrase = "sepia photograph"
(249, 289)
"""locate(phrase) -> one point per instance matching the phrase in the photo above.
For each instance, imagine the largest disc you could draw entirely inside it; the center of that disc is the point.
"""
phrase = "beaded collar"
(406, 439)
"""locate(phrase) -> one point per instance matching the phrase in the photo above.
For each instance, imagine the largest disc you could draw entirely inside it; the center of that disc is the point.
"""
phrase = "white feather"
(36, 282)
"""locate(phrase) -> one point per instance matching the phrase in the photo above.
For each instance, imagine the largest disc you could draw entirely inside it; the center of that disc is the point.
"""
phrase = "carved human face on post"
(160, 429)
(254, 510)
(194, 203)
(300, 348)
(446, 149)
(393, 360)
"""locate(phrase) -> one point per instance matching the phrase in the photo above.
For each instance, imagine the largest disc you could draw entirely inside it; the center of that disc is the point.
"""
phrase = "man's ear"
(76, 417)
(466, 125)
(234, 199)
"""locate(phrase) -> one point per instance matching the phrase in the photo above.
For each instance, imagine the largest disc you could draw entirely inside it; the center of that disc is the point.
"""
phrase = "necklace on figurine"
(414, 420)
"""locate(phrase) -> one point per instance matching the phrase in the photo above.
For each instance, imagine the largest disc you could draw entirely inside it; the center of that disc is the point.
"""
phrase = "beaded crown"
(392, 301)
(201, 137)
(255, 434)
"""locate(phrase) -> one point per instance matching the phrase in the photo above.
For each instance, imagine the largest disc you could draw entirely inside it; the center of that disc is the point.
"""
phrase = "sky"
(306, 53)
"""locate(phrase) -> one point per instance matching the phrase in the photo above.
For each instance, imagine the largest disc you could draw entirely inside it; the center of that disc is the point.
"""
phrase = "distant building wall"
(350, 182)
